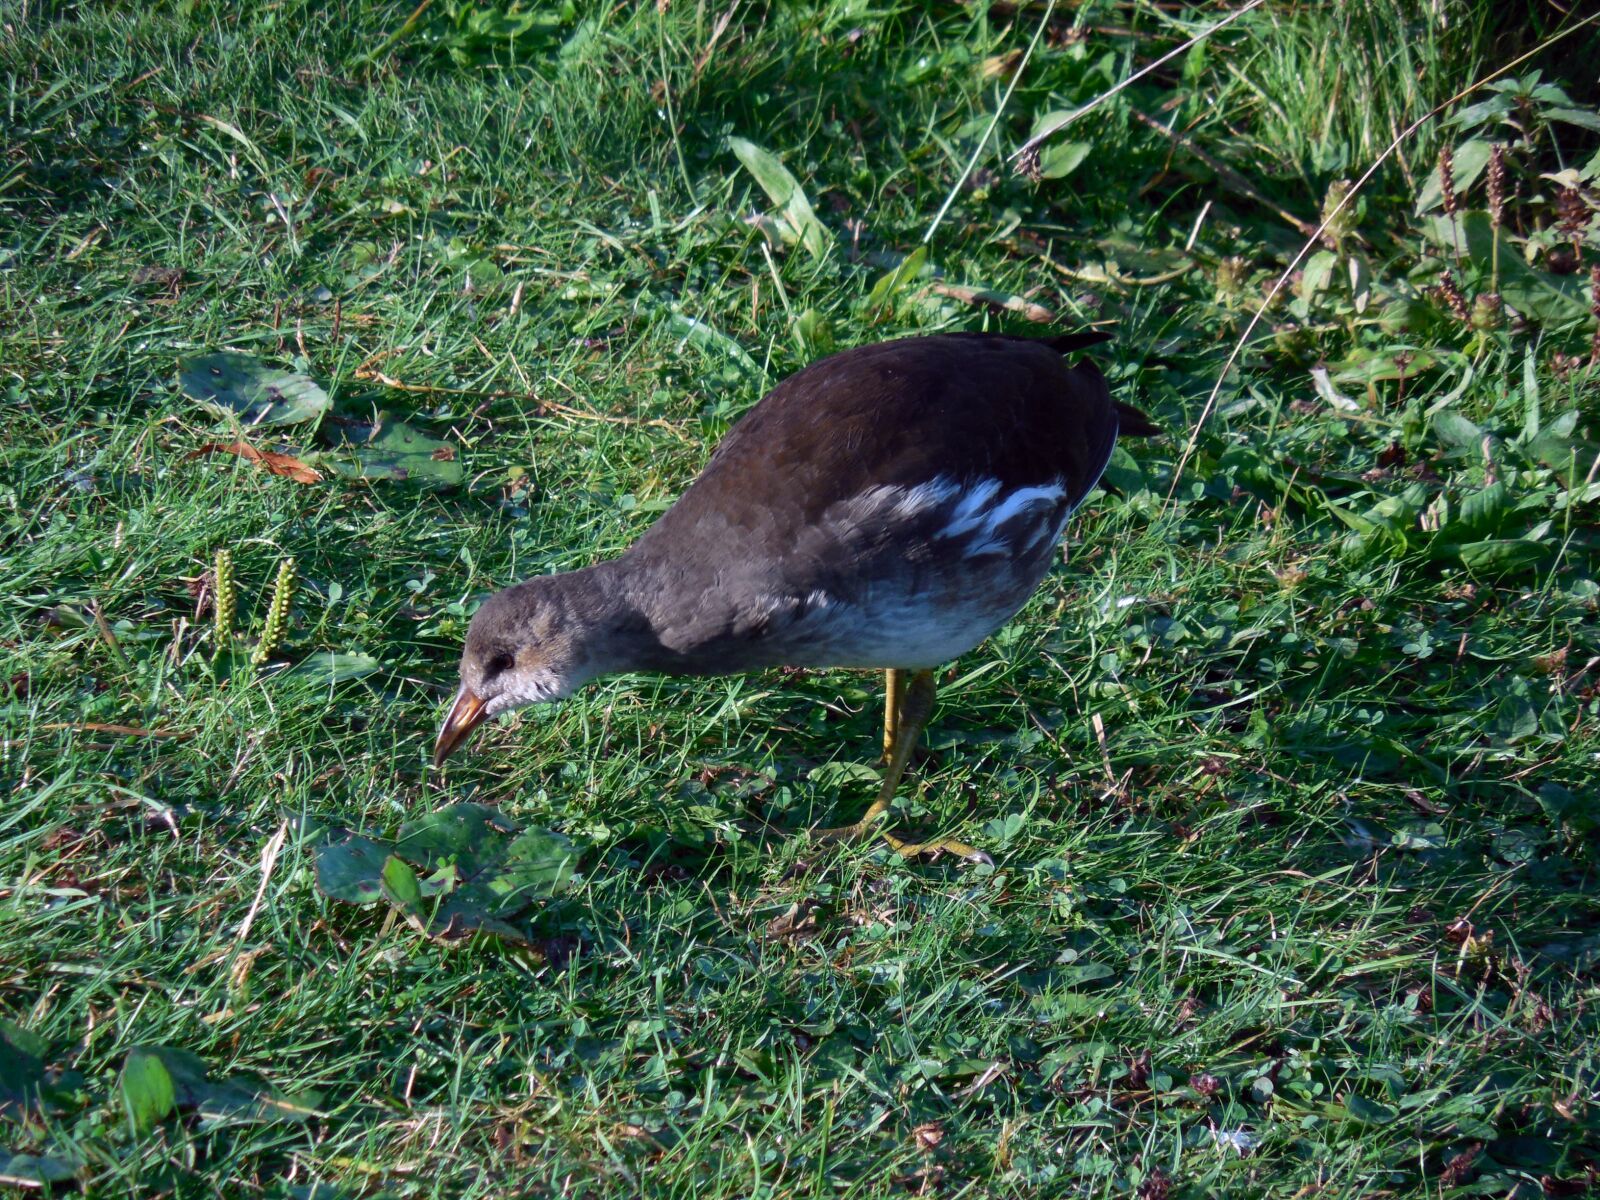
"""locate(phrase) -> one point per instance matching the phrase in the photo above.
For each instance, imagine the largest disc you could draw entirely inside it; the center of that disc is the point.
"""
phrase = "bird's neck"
(612, 613)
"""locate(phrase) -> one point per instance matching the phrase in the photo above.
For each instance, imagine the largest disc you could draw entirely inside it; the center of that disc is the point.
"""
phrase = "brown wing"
(897, 414)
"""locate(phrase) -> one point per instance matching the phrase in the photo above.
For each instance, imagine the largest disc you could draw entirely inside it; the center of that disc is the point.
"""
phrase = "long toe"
(944, 845)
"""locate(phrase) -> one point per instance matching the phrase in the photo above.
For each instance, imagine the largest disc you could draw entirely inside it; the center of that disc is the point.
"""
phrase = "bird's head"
(524, 646)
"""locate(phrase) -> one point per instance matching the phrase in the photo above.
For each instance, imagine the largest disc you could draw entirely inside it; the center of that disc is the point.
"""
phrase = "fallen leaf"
(799, 920)
(990, 298)
(248, 391)
(390, 450)
(268, 460)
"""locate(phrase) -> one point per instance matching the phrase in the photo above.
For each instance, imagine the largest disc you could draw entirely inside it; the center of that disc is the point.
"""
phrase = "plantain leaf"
(251, 392)
(714, 342)
(1368, 1112)
(785, 192)
(1456, 432)
(349, 869)
(36, 1170)
(813, 333)
(1494, 556)
(890, 284)
(391, 450)
(328, 667)
(1061, 159)
(148, 1092)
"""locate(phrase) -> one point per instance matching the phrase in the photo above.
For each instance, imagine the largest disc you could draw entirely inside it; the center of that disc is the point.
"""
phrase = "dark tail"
(1130, 421)
(1066, 343)
(1133, 423)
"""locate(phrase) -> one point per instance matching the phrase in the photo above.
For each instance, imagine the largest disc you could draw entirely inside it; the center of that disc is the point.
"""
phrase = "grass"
(1287, 771)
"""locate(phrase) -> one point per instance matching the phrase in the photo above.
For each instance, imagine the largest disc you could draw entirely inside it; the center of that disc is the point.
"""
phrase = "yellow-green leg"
(894, 683)
(905, 714)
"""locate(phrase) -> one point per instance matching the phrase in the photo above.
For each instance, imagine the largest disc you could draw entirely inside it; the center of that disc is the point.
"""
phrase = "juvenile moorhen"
(887, 507)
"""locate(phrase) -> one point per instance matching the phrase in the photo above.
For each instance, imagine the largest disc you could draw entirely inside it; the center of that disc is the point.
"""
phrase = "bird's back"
(927, 474)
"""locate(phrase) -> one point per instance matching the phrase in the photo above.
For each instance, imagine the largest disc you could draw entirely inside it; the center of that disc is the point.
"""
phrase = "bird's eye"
(499, 664)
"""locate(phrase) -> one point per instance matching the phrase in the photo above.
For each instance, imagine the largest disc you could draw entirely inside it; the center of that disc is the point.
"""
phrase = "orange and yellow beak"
(466, 714)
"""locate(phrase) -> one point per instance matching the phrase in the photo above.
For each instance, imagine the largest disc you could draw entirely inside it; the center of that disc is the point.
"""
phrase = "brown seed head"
(1594, 307)
(1028, 165)
(1497, 185)
(1447, 180)
(1572, 212)
(1450, 293)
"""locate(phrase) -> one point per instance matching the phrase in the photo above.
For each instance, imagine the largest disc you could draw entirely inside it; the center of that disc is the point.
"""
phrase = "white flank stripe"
(970, 511)
(1020, 499)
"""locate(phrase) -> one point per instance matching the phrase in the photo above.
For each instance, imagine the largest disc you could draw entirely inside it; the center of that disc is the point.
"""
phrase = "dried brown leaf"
(269, 461)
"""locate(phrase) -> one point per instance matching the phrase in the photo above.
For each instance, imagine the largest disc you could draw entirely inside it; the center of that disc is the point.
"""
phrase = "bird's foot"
(905, 713)
(868, 827)
(943, 845)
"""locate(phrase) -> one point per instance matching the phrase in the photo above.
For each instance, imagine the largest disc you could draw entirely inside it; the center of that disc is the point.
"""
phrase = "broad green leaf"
(1069, 1006)
(1390, 364)
(148, 1093)
(236, 1098)
(22, 1055)
(1419, 835)
(1470, 159)
(1483, 511)
(391, 450)
(1559, 804)
(400, 885)
(1082, 972)
(837, 774)
(1483, 112)
(1368, 1112)
(472, 836)
(467, 913)
(185, 1070)
(785, 192)
(1495, 556)
(714, 342)
(248, 391)
(539, 865)
(1455, 431)
(1586, 118)
(813, 333)
(1557, 448)
(36, 1170)
(1318, 270)
(1354, 520)
(350, 869)
(890, 284)
(480, 872)
(328, 667)
(1060, 159)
